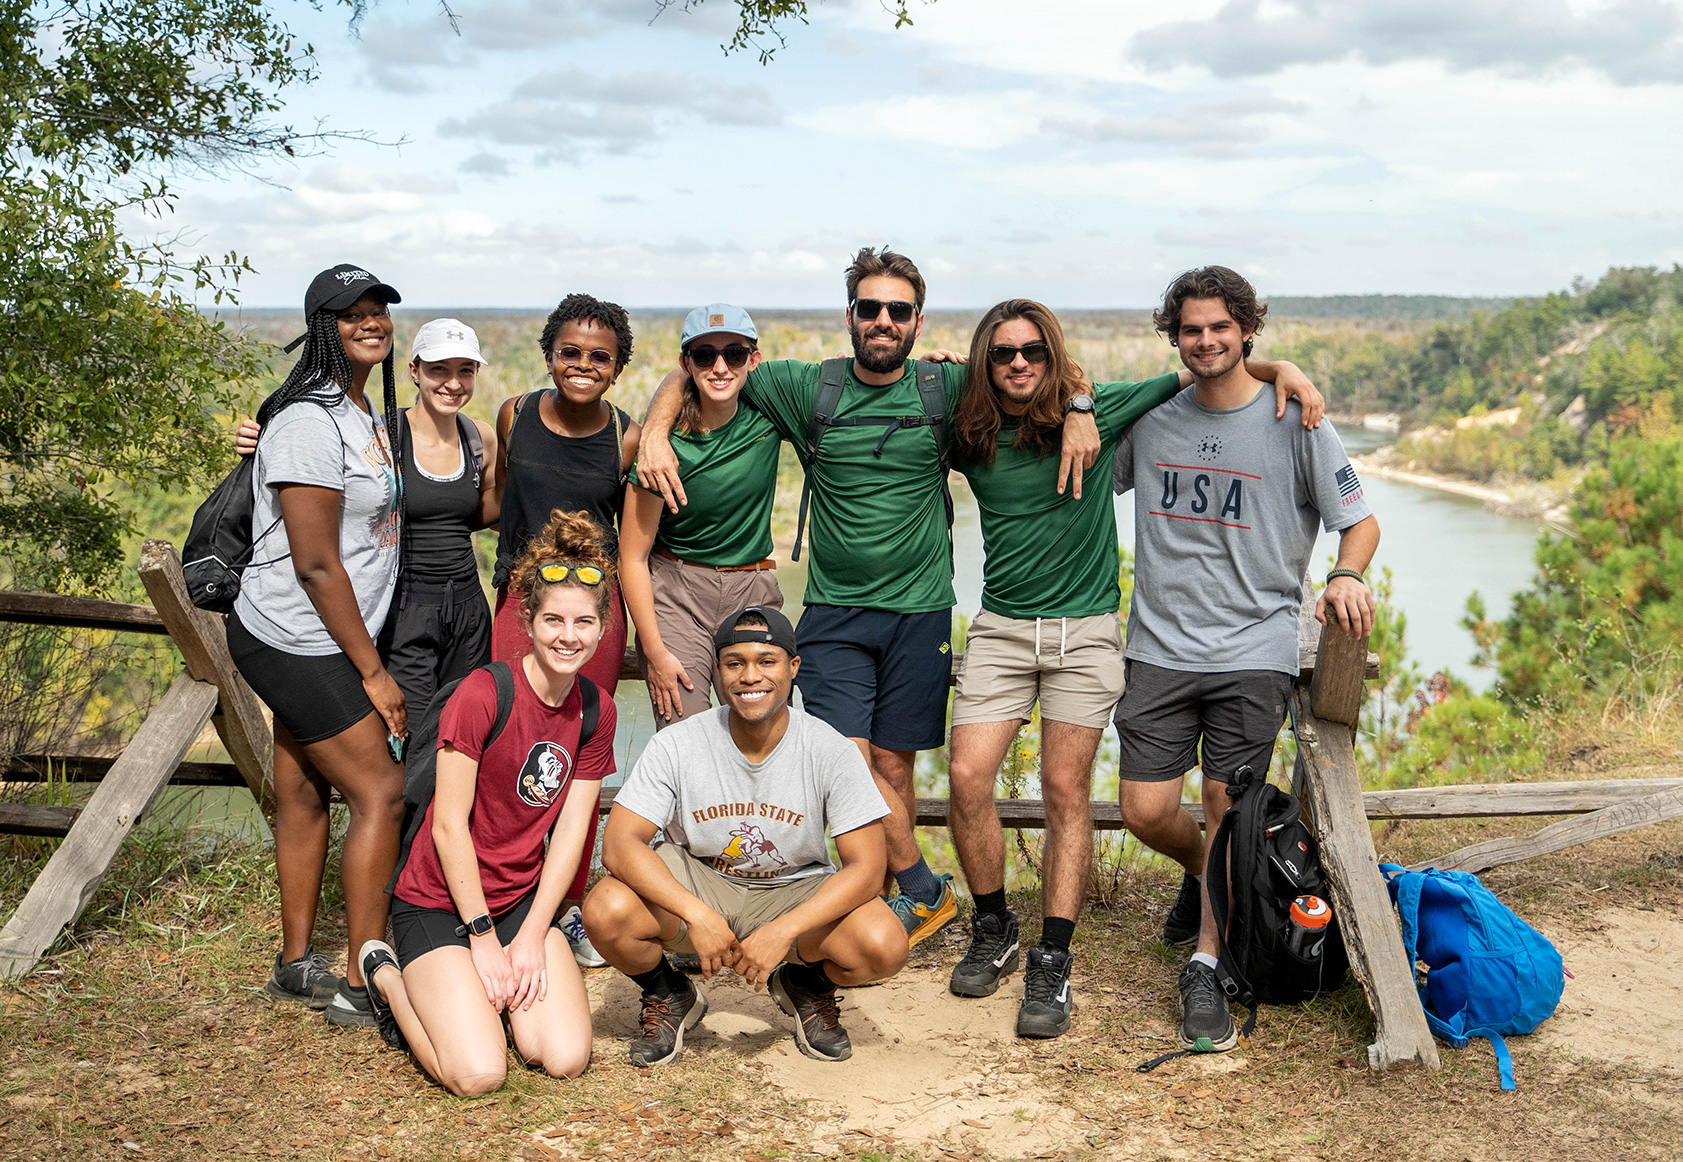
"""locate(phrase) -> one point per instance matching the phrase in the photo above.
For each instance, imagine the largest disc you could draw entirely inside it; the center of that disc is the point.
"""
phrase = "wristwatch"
(477, 926)
(1079, 403)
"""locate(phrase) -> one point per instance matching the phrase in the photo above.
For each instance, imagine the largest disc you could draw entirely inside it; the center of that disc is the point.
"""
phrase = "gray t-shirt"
(762, 823)
(1226, 505)
(340, 447)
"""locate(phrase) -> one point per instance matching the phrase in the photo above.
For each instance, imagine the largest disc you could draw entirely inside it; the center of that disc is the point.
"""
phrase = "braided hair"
(322, 374)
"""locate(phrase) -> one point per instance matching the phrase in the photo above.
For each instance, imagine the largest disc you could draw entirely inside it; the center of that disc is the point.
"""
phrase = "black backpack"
(420, 764)
(219, 545)
(932, 394)
(1268, 856)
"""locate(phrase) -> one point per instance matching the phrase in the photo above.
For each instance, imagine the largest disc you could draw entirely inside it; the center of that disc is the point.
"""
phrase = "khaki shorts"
(689, 604)
(1072, 665)
(743, 907)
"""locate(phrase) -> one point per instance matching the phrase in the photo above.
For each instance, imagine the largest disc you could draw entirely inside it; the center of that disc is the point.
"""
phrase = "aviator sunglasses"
(867, 310)
(736, 355)
(555, 572)
(578, 357)
(1001, 356)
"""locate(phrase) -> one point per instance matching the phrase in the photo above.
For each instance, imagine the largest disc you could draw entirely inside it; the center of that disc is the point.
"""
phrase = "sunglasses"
(736, 355)
(577, 356)
(867, 310)
(555, 572)
(1001, 356)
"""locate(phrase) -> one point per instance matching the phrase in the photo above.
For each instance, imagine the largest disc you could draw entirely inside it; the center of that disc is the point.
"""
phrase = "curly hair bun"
(575, 539)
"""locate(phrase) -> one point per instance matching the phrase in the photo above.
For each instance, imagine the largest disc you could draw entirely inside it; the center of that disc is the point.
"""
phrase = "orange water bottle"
(1306, 928)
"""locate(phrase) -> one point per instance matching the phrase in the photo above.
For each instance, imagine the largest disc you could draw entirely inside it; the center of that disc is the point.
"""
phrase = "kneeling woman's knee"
(568, 1061)
(476, 1084)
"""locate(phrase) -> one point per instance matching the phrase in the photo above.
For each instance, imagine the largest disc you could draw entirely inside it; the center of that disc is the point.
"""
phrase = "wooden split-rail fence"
(1325, 708)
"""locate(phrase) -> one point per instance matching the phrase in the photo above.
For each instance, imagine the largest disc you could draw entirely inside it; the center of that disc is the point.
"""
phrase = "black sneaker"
(818, 1029)
(994, 953)
(663, 1022)
(375, 955)
(1205, 1025)
(686, 961)
(1181, 928)
(351, 1008)
(1046, 999)
(308, 979)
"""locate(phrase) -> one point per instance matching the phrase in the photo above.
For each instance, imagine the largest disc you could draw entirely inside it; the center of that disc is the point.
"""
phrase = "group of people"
(363, 603)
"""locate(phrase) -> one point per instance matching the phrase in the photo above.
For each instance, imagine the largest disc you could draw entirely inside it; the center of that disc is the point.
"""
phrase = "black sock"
(660, 981)
(1056, 932)
(809, 978)
(991, 903)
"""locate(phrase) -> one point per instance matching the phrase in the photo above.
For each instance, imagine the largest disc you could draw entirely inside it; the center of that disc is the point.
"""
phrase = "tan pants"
(742, 906)
(690, 602)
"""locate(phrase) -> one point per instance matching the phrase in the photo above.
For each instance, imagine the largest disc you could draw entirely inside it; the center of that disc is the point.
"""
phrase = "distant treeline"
(1382, 308)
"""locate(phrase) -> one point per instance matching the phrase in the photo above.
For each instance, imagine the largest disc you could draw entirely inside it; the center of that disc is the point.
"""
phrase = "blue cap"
(717, 319)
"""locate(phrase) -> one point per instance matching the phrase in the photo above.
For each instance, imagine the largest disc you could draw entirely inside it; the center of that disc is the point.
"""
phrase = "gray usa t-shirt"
(340, 447)
(762, 823)
(1226, 507)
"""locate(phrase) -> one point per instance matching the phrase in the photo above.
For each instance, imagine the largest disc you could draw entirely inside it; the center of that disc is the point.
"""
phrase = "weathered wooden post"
(1324, 717)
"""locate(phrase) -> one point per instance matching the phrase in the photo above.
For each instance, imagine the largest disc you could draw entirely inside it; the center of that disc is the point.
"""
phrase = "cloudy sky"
(1076, 151)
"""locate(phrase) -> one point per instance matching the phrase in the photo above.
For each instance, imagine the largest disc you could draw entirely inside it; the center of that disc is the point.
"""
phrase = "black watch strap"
(478, 926)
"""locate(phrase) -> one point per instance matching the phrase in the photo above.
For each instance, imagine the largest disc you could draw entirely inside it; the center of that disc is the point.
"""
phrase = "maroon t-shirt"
(524, 778)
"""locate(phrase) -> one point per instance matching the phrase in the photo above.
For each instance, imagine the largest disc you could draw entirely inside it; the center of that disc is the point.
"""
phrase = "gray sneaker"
(1205, 1024)
(309, 980)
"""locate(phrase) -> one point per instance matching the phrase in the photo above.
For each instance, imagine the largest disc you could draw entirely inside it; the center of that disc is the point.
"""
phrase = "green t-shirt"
(1048, 555)
(730, 478)
(877, 527)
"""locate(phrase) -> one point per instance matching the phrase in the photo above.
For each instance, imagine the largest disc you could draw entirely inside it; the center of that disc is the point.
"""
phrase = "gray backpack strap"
(473, 445)
(832, 375)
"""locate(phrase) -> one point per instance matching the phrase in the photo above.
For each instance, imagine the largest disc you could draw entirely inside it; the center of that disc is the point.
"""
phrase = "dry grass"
(150, 1028)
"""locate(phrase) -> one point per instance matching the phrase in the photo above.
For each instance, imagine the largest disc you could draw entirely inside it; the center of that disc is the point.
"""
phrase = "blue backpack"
(1489, 973)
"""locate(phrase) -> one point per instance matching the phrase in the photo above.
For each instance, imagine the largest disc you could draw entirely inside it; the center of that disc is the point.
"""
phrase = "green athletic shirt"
(730, 478)
(877, 528)
(1048, 555)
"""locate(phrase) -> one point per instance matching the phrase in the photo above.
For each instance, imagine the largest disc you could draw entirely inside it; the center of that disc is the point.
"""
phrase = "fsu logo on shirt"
(545, 774)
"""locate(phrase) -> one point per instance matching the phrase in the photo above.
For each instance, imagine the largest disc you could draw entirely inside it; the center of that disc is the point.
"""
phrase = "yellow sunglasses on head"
(556, 571)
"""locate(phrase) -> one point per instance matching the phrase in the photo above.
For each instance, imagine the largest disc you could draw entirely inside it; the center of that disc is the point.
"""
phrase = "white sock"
(1204, 958)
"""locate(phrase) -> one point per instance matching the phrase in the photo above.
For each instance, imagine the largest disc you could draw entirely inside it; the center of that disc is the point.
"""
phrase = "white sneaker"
(572, 927)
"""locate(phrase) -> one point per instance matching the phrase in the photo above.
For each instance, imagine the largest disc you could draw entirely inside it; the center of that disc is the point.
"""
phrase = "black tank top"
(547, 471)
(439, 518)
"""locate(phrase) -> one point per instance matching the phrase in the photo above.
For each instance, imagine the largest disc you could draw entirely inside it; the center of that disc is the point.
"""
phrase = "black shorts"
(434, 635)
(876, 674)
(416, 931)
(1165, 714)
(315, 696)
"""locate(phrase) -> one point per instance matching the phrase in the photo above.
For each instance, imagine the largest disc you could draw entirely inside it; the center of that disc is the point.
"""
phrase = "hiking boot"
(1046, 1000)
(1205, 1025)
(351, 1008)
(663, 1021)
(818, 1029)
(994, 953)
(375, 955)
(308, 979)
(572, 927)
(1181, 928)
(686, 961)
(921, 920)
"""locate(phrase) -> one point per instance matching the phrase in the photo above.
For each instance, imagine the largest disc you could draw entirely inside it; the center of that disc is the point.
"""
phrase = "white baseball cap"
(446, 339)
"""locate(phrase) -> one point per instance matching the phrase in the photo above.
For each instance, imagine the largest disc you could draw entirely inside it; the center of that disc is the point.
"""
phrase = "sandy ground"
(1622, 1004)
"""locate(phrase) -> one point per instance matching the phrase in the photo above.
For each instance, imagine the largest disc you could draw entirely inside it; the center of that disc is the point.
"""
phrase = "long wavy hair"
(977, 421)
(573, 539)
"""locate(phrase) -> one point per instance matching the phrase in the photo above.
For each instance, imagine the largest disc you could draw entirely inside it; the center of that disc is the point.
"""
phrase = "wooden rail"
(88, 613)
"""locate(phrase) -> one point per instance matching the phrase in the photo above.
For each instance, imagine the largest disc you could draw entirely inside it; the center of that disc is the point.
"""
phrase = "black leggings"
(434, 635)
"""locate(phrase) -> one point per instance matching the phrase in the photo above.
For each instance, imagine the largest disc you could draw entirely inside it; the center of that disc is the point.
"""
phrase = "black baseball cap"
(338, 287)
(777, 631)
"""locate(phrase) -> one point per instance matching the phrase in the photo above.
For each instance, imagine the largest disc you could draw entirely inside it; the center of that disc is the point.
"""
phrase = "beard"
(1219, 368)
(879, 363)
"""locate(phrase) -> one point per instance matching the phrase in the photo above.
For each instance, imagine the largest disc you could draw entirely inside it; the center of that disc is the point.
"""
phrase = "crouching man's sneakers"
(1205, 1024)
(1046, 996)
(663, 1022)
(818, 1029)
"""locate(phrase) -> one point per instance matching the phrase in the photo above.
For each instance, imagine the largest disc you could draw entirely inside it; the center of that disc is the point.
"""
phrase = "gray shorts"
(1071, 665)
(690, 601)
(742, 906)
(1170, 721)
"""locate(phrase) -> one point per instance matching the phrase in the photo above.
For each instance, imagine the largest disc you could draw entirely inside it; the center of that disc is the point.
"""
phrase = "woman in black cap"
(326, 524)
